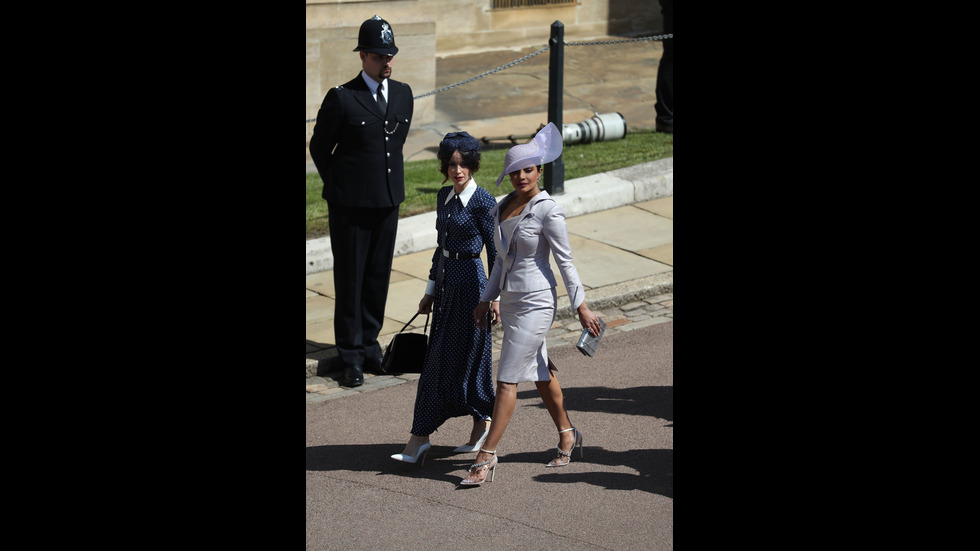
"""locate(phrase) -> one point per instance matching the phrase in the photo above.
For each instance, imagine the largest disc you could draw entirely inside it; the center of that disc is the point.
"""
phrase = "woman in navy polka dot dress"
(457, 379)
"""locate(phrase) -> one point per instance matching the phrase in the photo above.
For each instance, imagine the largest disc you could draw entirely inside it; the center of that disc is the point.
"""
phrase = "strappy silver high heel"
(577, 442)
(493, 468)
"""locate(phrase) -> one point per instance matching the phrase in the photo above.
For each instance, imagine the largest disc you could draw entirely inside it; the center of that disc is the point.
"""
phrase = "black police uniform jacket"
(367, 168)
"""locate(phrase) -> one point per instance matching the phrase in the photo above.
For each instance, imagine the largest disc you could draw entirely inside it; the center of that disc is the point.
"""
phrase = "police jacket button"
(389, 171)
(362, 123)
(387, 154)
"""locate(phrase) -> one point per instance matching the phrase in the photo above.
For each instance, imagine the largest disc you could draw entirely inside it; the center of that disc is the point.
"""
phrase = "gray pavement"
(618, 494)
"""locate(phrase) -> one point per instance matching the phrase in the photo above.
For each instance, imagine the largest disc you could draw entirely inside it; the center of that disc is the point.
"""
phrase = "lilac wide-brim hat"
(542, 149)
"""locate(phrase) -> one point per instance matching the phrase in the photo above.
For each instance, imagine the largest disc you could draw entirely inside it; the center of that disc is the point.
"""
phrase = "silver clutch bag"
(587, 344)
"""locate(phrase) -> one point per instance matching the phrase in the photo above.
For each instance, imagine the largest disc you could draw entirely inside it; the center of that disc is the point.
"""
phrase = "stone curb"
(622, 318)
(326, 362)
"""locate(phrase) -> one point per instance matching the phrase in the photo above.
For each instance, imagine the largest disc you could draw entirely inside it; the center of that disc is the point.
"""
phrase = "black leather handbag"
(406, 351)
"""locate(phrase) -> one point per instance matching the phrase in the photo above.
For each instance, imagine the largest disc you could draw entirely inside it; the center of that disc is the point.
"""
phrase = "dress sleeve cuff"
(576, 296)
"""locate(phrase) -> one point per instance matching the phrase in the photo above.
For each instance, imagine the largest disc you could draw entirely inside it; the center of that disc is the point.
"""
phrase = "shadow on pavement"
(655, 470)
(441, 464)
(654, 467)
(653, 401)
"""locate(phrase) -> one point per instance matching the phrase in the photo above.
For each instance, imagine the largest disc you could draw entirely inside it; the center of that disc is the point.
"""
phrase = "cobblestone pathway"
(564, 332)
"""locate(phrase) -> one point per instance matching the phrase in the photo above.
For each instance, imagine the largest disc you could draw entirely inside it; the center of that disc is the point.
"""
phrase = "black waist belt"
(458, 256)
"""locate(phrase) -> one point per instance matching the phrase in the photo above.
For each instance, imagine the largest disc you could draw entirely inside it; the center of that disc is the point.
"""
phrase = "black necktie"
(381, 101)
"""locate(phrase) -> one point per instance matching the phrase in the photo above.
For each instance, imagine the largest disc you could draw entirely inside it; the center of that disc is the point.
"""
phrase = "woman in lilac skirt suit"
(528, 226)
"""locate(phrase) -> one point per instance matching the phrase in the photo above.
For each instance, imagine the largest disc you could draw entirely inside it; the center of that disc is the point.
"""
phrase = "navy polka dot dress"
(457, 378)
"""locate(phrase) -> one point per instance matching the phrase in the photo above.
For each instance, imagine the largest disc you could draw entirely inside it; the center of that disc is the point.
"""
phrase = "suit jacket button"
(387, 154)
(362, 123)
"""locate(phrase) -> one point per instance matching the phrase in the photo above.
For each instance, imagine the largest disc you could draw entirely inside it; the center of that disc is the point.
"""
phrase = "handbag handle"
(426, 329)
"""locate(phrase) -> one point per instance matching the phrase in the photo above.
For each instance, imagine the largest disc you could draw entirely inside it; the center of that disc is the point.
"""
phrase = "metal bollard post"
(554, 172)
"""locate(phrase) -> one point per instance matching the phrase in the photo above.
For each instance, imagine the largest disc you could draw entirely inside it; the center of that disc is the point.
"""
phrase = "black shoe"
(353, 375)
(665, 129)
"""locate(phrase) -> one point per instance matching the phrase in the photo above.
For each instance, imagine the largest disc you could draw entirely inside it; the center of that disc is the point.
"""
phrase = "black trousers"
(363, 243)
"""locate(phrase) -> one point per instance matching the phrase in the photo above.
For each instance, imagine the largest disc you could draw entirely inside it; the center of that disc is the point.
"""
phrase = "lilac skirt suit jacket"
(523, 279)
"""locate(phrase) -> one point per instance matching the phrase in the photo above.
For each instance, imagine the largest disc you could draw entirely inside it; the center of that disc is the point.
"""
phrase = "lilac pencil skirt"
(526, 318)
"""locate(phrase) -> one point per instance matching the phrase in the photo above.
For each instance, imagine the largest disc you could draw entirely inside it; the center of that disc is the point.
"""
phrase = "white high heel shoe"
(577, 442)
(423, 451)
(468, 448)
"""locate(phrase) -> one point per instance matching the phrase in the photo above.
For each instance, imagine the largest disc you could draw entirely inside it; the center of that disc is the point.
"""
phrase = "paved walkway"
(565, 332)
(616, 494)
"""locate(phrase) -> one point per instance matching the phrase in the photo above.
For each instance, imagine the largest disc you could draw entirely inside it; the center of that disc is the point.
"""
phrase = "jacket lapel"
(365, 98)
(528, 214)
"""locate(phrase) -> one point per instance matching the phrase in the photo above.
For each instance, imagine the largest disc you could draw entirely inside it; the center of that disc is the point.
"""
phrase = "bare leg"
(479, 427)
(554, 401)
(503, 409)
(414, 443)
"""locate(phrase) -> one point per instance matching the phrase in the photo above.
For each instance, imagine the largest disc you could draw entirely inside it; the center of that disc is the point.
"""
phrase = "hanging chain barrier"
(625, 40)
(529, 56)
(488, 73)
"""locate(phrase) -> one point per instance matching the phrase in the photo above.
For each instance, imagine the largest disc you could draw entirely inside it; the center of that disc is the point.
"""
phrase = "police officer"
(357, 148)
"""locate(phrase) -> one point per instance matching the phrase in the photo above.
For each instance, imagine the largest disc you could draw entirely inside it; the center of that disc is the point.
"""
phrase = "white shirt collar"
(465, 195)
(373, 86)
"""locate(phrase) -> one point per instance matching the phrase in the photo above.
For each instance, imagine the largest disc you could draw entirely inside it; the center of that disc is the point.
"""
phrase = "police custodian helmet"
(376, 37)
